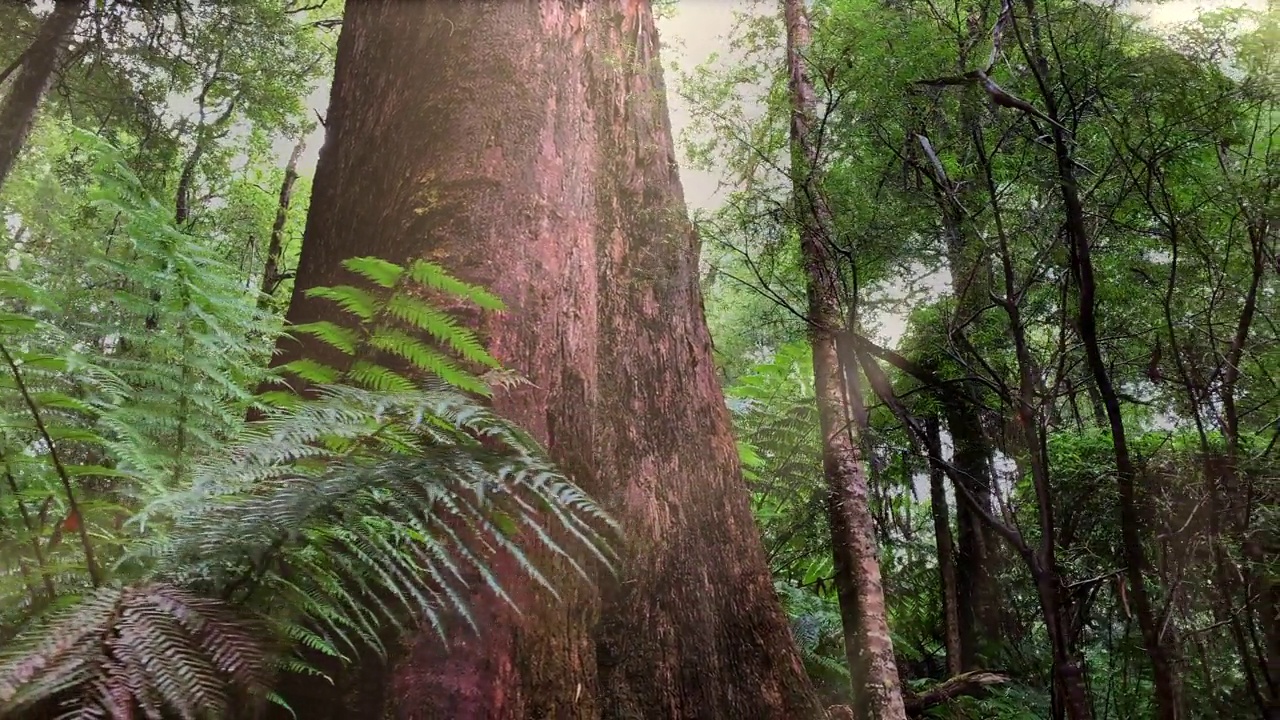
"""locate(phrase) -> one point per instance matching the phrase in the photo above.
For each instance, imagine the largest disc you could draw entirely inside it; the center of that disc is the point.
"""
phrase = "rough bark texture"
(876, 686)
(526, 146)
(22, 99)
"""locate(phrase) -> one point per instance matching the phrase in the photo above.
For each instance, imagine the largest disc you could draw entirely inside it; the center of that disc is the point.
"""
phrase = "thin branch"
(95, 575)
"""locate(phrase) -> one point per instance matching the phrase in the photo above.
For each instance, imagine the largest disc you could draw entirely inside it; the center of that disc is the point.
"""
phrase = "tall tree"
(34, 73)
(877, 690)
(526, 147)
(1081, 261)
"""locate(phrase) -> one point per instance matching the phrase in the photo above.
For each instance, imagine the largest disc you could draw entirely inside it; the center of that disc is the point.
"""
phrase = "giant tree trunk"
(22, 99)
(876, 686)
(526, 146)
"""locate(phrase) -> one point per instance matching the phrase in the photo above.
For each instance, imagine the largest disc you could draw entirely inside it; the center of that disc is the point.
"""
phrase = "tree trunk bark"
(969, 264)
(271, 275)
(946, 552)
(979, 613)
(526, 147)
(868, 645)
(969, 267)
(18, 109)
(1268, 607)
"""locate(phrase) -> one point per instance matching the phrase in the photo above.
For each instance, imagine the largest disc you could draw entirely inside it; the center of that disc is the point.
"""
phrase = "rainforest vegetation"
(364, 359)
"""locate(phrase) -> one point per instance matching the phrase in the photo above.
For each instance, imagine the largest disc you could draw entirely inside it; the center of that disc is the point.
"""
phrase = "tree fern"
(816, 626)
(402, 487)
(378, 499)
(153, 648)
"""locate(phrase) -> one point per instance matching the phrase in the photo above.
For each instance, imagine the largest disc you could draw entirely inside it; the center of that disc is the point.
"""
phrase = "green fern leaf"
(433, 276)
(311, 371)
(332, 334)
(376, 270)
(422, 316)
(427, 360)
(358, 302)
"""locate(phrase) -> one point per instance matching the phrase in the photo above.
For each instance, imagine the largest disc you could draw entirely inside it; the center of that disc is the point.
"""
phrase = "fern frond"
(439, 325)
(152, 647)
(426, 360)
(376, 270)
(354, 300)
(342, 338)
(433, 276)
(378, 500)
(398, 520)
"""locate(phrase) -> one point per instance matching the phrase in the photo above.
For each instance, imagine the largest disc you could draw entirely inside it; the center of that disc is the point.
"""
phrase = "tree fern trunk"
(34, 75)
(526, 147)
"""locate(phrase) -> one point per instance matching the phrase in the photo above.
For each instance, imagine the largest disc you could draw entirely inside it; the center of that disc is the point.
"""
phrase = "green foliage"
(780, 445)
(209, 548)
(398, 316)
(816, 626)
(187, 383)
(1007, 703)
(1173, 135)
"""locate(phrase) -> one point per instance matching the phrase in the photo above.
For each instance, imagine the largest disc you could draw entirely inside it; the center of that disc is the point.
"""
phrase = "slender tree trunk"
(271, 274)
(1168, 700)
(1267, 590)
(1067, 671)
(969, 268)
(946, 552)
(22, 99)
(1071, 697)
(1133, 551)
(979, 598)
(972, 280)
(1261, 595)
(526, 147)
(877, 689)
